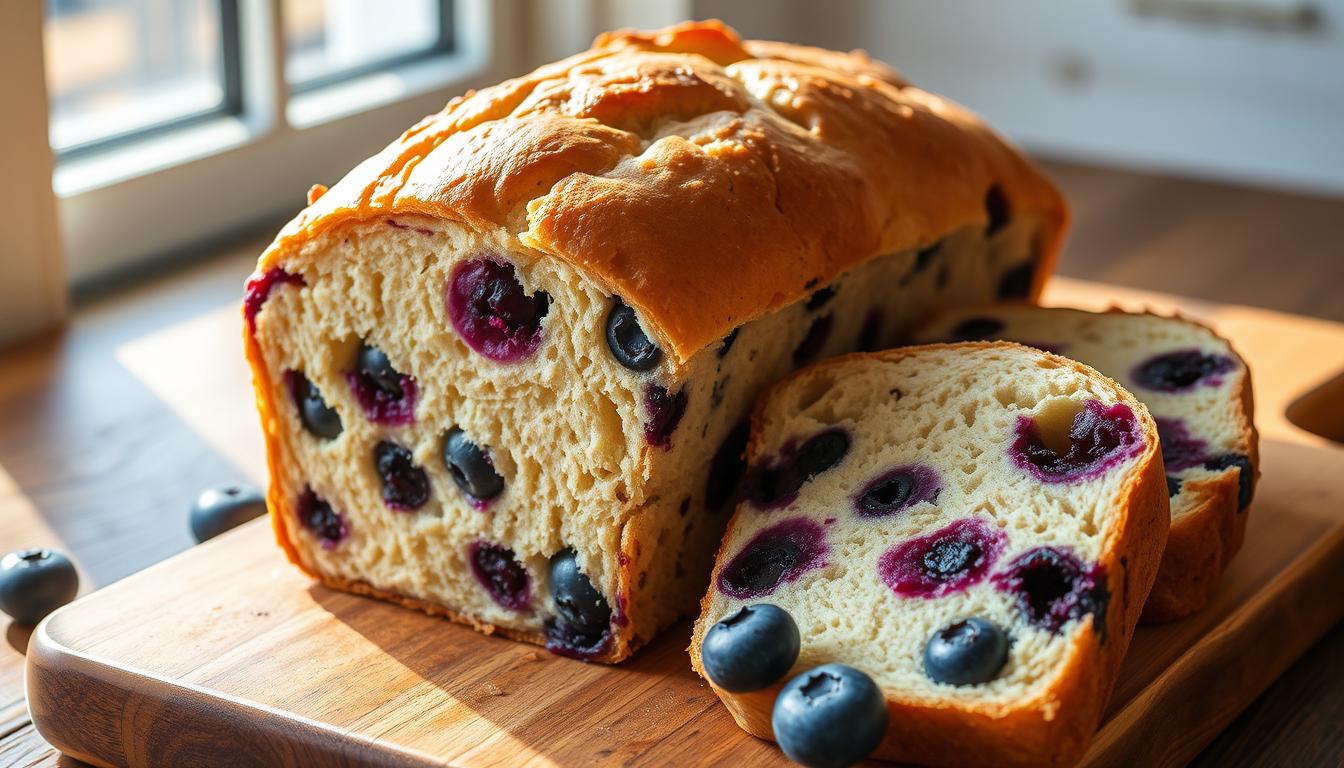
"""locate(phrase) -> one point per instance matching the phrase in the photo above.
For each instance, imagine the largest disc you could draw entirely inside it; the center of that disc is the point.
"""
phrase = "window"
(176, 122)
(332, 40)
(120, 68)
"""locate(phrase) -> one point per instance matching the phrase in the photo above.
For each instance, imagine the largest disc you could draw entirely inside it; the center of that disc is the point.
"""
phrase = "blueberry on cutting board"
(829, 717)
(751, 649)
(35, 582)
(224, 507)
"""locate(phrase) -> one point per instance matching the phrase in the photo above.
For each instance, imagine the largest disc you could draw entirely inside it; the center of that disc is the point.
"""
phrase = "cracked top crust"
(704, 179)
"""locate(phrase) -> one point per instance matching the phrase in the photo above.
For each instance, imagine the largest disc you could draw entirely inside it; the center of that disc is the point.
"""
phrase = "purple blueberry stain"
(571, 642)
(778, 554)
(1053, 587)
(318, 518)
(774, 482)
(665, 411)
(1182, 370)
(1180, 449)
(497, 569)
(398, 225)
(492, 313)
(898, 489)
(1100, 437)
(946, 561)
(259, 288)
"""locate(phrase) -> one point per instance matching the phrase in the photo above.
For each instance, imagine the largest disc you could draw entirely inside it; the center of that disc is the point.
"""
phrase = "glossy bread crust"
(659, 162)
(1055, 727)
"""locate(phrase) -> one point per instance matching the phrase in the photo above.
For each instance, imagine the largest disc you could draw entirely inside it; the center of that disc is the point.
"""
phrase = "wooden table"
(95, 463)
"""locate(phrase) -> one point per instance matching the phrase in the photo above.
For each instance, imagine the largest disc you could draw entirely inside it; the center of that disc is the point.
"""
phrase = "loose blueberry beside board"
(751, 649)
(224, 507)
(829, 716)
(35, 582)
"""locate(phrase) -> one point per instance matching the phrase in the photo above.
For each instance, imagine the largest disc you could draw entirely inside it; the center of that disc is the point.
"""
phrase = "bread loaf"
(502, 365)
(1199, 392)
(897, 498)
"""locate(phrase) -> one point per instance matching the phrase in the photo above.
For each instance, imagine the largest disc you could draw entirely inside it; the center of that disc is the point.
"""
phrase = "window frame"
(444, 45)
(161, 195)
(230, 103)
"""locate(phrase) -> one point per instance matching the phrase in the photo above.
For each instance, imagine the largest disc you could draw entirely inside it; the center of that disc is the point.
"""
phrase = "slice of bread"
(893, 495)
(1199, 392)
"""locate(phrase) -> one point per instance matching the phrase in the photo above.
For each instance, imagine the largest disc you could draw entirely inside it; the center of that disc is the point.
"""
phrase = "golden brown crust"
(658, 162)
(1055, 727)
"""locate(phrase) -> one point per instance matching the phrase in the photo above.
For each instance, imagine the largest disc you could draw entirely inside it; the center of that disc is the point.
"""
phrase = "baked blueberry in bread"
(502, 366)
(978, 537)
(1199, 392)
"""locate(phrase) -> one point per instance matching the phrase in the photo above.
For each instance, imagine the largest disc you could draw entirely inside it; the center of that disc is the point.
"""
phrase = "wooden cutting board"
(226, 655)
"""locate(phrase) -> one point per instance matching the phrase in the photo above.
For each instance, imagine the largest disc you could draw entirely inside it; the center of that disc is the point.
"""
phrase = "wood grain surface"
(228, 638)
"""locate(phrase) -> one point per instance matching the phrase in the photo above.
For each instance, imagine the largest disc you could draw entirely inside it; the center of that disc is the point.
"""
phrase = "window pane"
(116, 67)
(328, 39)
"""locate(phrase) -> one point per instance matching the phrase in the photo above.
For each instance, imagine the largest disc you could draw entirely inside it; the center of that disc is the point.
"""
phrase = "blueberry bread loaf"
(974, 526)
(1199, 393)
(502, 365)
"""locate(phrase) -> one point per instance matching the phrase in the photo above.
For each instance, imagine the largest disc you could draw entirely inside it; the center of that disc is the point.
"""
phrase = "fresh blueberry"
(820, 299)
(829, 717)
(773, 484)
(821, 452)
(223, 508)
(898, 489)
(814, 340)
(385, 395)
(948, 560)
(781, 553)
(628, 342)
(35, 582)
(405, 485)
(665, 412)
(581, 607)
(727, 466)
(497, 569)
(492, 313)
(997, 208)
(1099, 437)
(1053, 587)
(320, 419)
(1245, 475)
(318, 518)
(471, 468)
(871, 331)
(1015, 284)
(977, 329)
(728, 342)
(924, 256)
(1180, 449)
(751, 649)
(1182, 370)
(966, 652)
(373, 363)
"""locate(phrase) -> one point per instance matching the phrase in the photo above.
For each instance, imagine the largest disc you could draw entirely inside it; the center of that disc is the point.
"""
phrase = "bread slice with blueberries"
(970, 529)
(503, 366)
(1199, 392)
